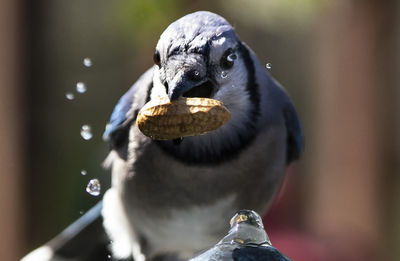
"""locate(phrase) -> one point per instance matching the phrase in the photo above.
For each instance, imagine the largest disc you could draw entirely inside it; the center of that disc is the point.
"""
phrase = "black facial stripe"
(206, 53)
(148, 95)
(209, 72)
(200, 49)
(157, 58)
(174, 51)
(166, 87)
(252, 85)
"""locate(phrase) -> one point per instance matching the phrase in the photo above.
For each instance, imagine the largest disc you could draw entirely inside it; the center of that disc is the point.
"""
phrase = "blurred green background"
(338, 60)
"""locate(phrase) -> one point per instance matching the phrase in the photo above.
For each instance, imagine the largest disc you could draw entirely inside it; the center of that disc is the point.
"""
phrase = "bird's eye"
(228, 59)
(156, 58)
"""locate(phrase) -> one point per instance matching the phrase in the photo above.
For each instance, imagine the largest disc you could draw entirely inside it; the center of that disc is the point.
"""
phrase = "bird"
(245, 241)
(169, 199)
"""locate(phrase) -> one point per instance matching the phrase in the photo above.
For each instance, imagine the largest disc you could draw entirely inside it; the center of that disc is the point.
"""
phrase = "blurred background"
(338, 59)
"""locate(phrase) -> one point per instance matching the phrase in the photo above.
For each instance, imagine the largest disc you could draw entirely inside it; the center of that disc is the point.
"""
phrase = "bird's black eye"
(228, 59)
(156, 58)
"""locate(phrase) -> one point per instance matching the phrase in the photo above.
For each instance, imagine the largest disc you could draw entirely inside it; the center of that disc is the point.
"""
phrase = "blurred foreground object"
(246, 241)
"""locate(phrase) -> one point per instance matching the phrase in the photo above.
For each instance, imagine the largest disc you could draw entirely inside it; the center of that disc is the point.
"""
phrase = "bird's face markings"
(157, 58)
(184, 71)
(200, 55)
(210, 68)
(228, 59)
(230, 74)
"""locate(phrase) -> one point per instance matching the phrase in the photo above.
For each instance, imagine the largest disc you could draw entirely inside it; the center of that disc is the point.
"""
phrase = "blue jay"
(169, 199)
(246, 241)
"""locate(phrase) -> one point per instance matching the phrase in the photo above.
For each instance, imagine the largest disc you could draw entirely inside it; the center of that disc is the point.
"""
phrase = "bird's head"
(200, 55)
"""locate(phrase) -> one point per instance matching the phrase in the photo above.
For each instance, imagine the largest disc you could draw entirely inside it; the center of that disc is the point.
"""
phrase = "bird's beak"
(186, 76)
(183, 82)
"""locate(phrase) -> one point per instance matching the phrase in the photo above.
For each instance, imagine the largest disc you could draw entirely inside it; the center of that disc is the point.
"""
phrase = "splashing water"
(86, 133)
(83, 172)
(93, 187)
(81, 87)
(268, 66)
(87, 62)
(70, 96)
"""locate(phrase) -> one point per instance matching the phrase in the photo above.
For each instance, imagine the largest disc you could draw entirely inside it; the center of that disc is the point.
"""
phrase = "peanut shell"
(161, 119)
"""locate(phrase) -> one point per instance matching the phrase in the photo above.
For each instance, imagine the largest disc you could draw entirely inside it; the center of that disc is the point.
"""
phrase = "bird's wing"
(84, 240)
(294, 133)
(126, 110)
(291, 120)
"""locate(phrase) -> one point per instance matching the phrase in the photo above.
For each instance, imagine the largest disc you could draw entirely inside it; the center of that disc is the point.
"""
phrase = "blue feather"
(119, 114)
(295, 134)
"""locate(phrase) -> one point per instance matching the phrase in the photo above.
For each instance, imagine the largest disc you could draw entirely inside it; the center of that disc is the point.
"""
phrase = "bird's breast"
(168, 201)
(158, 182)
(185, 231)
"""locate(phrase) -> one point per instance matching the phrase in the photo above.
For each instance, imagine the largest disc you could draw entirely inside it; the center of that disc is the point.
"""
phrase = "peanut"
(161, 119)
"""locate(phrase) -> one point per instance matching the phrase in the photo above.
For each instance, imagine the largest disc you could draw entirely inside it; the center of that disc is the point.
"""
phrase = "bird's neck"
(214, 148)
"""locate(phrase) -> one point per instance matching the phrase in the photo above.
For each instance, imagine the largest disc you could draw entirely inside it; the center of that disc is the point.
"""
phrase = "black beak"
(189, 84)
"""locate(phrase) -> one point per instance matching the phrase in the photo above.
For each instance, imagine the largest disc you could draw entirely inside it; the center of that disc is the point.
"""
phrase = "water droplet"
(109, 256)
(87, 62)
(93, 187)
(86, 133)
(197, 73)
(83, 172)
(231, 57)
(268, 66)
(70, 96)
(81, 212)
(224, 74)
(81, 87)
